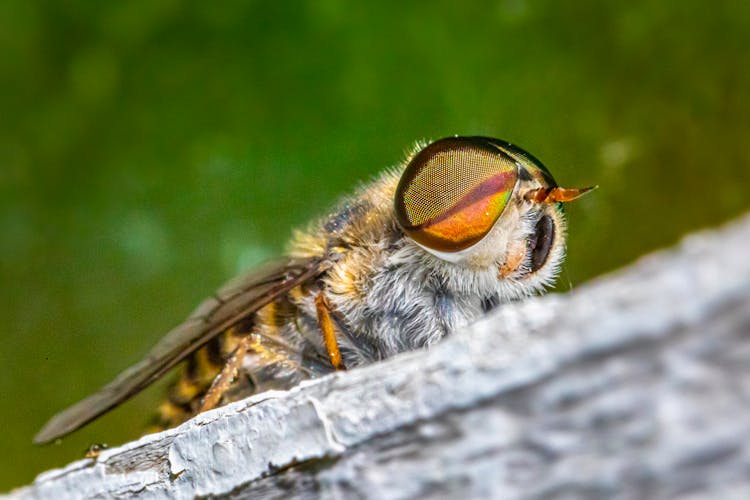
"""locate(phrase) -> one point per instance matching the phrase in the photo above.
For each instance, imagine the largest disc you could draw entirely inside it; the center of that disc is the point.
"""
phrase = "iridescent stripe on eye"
(500, 185)
(466, 227)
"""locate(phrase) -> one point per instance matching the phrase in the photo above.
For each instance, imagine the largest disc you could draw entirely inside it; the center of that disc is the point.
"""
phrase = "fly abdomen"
(266, 365)
(185, 393)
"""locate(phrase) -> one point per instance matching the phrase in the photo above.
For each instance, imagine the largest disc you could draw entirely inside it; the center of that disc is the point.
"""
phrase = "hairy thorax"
(389, 295)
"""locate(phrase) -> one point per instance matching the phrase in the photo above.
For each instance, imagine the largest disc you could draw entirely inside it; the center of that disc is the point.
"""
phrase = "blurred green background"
(150, 150)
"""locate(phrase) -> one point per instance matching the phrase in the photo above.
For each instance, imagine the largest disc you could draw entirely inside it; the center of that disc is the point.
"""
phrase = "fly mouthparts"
(556, 194)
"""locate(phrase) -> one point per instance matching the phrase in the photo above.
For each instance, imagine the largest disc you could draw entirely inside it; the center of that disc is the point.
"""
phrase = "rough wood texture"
(636, 385)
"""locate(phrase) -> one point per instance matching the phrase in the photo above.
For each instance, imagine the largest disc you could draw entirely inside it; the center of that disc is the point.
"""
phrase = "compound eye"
(453, 191)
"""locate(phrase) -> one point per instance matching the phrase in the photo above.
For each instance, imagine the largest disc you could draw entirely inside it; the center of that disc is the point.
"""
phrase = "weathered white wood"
(635, 385)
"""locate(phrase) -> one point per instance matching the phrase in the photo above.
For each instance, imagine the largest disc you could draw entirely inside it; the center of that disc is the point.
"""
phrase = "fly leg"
(329, 333)
(227, 375)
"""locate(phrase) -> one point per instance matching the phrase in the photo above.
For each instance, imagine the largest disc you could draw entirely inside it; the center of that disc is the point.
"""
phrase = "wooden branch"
(635, 385)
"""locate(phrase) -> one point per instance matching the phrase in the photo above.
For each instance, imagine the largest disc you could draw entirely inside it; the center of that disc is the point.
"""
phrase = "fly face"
(478, 203)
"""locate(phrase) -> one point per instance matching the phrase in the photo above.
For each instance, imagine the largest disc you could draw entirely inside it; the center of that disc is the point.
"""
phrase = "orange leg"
(227, 375)
(329, 333)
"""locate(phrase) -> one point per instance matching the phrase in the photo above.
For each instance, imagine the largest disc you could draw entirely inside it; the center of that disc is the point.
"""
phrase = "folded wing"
(232, 303)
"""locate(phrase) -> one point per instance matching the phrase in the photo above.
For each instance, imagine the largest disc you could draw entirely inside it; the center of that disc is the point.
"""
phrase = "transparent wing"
(229, 305)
